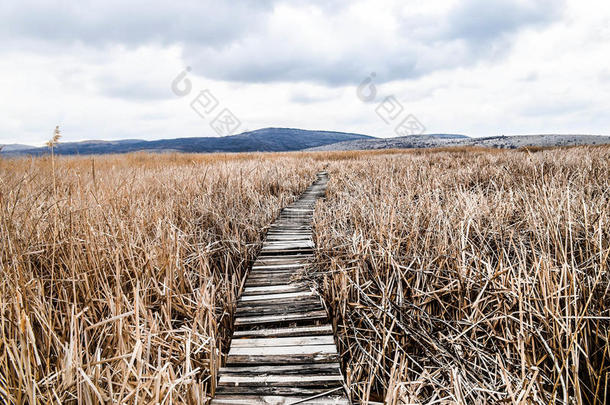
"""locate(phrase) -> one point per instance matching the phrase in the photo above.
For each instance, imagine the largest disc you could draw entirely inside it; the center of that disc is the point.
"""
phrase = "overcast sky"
(104, 69)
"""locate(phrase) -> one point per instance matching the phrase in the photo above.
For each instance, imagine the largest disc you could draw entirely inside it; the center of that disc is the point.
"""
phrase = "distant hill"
(14, 147)
(261, 140)
(289, 139)
(448, 140)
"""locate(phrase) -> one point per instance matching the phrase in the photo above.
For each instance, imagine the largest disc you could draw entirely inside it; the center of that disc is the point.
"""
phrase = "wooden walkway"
(282, 351)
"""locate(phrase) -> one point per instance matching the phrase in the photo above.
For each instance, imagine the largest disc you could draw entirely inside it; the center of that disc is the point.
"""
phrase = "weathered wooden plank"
(309, 369)
(292, 230)
(277, 279)
(284, 300)
(278, 310)
(287, 331)
(282, 224)
(287, 278)
(241, 320)
(289, 275)
(271, 297)
(283, 350)
(278, 390)
(286, 251)
(290, 243)
(276, 272)
(274, 309)
(305, 358)
(296, 231)
(290, 221)
(305, 299)
(282, 260)
(275, 289)
(284, 341)
(288, 227)
(281, 380)
(285, 258)
(289, 235)
(289, 305)
(272, 273)
(275, 400)
(283, 265)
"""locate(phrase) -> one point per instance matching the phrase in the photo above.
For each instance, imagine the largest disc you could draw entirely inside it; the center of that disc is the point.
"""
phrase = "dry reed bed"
(118, 274)
(470, 276)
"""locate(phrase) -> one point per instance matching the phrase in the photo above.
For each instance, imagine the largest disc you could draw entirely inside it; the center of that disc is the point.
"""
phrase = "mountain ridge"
(276, 139)
(271, 139)
(443, 140)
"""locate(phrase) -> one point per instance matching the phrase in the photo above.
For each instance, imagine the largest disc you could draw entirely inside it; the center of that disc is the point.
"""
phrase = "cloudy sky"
(104, 69)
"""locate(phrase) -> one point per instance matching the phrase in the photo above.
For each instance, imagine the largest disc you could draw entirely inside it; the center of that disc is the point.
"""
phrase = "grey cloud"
(484, 20)
(134, 90)
(213, 22)
(263, 68)
(309, 97)
(474, 30)
(249, 62)
(229, 40)
(266, 59)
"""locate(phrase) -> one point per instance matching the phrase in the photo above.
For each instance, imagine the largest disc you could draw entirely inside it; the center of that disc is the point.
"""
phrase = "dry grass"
(472, 276)
(118, 283)
(453, 276)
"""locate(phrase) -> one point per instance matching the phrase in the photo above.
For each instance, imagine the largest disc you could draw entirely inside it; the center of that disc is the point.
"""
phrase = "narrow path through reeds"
(283, 351)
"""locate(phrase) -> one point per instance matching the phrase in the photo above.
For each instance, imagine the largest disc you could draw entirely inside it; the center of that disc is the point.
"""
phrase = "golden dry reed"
(470, 277)
(119, 274)
(452, 276)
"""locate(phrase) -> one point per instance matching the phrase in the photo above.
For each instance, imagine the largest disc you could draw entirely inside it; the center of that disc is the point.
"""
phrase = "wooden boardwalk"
(282, 351)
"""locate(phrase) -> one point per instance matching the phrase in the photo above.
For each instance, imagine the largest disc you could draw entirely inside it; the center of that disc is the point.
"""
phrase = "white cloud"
(388, 37)
(477, 67)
